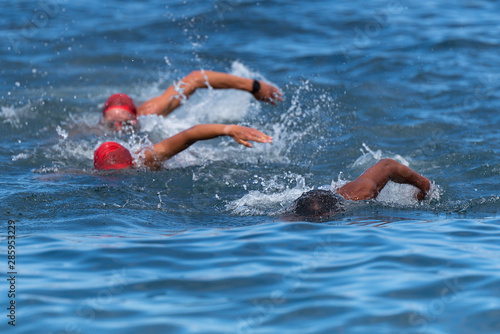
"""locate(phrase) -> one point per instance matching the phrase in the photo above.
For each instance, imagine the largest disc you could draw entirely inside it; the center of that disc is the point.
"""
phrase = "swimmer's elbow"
(194, 79)
(392, 168)
(388, 163)
(194, 74)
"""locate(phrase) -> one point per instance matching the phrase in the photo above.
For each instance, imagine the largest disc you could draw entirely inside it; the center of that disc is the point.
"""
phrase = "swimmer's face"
(118, 114)
(118, 118)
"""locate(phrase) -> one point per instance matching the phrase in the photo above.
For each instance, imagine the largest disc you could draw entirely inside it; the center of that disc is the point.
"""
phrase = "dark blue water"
(201, 246)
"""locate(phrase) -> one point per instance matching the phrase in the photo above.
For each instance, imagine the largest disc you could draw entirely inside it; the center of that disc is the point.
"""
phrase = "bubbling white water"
(15, 116)
(277, 193)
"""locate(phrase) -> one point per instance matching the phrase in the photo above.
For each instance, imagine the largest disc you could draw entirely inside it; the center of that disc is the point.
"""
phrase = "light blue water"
(201, 247)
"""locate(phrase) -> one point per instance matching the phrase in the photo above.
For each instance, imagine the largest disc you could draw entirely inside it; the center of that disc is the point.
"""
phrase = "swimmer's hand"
(420, 194)
(268, 93)
(243, 135)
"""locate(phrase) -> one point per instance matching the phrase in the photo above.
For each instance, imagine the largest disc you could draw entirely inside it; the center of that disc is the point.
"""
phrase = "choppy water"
(201, 247)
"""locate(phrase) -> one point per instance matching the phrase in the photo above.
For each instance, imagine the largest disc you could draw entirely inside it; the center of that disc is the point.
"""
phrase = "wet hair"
(316, 203)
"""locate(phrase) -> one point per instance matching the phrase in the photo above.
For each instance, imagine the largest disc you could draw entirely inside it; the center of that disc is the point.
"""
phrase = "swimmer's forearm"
(218, 80)
(169, 147)
(262, 92)
(404, 174)
(173, 95)
(204, 79)
(205, 132)
(241, 134)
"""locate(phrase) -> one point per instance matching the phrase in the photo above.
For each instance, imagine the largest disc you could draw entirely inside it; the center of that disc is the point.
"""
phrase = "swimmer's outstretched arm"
(370, 183)
(171, 98)
(169, 147)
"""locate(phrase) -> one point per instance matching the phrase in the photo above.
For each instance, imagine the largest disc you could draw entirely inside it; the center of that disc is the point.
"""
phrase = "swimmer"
(321, 203)
(111, 155)
(120, 109)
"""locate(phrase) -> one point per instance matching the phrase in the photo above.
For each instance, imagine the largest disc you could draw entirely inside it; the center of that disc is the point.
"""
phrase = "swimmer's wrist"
(255, 87)
(226, 130)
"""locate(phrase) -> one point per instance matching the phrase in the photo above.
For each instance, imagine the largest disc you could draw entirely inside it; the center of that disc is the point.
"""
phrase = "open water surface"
(202, 246)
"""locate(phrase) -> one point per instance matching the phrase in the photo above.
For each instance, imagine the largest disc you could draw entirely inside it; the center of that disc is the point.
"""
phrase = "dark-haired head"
(316, 204)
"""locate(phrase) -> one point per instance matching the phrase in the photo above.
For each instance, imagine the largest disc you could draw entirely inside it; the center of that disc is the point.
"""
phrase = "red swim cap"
(120, 100)
(111, 155)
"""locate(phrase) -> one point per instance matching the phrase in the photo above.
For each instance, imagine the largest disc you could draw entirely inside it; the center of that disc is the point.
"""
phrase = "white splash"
(62, 133)
(277, 193)
(370, 157)
(13, 115)
(21, 156)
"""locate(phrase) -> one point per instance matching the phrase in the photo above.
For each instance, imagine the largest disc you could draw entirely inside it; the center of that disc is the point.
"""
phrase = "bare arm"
(169, 147)
(370, 183)
(171, 98)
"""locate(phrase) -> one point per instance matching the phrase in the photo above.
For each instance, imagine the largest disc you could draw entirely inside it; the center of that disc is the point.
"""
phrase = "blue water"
(202, 246)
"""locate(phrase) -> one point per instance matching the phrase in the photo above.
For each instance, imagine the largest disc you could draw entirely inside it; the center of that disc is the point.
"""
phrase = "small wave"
(485, 206)
(467, 43)
(46, 170)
